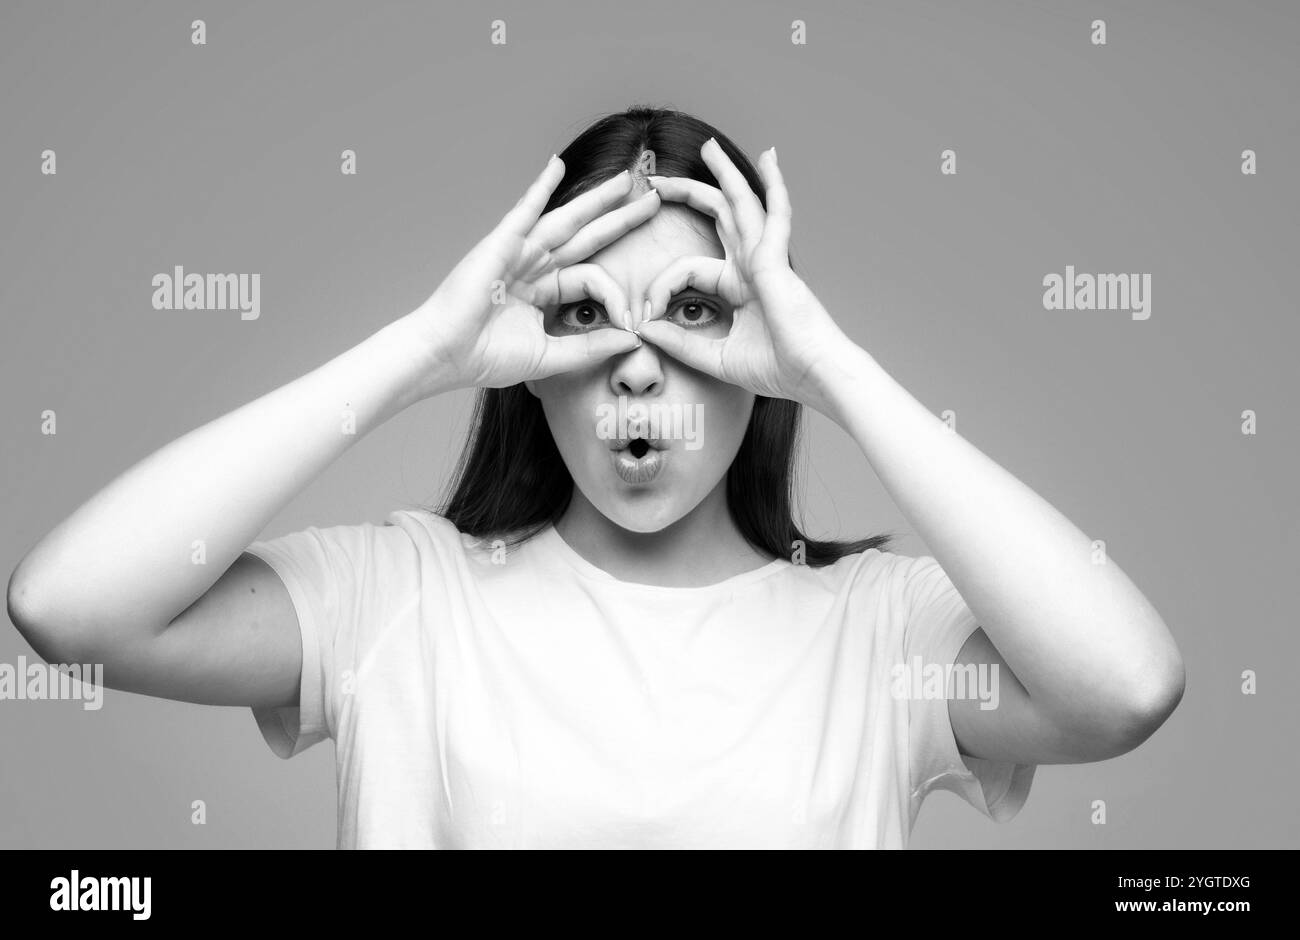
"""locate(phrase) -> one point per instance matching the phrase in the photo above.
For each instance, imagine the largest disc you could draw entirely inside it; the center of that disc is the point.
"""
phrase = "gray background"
(1118, 158)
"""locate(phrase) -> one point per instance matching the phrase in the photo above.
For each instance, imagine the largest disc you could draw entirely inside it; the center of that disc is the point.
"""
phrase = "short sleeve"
(938, 624)
(339, 579)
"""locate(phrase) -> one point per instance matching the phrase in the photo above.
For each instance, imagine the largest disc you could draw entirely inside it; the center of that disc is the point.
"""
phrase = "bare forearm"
(1077, 634)
(129, 558)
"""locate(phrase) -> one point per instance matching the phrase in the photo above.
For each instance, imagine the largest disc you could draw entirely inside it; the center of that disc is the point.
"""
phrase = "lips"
(637, 457)
(638, 463)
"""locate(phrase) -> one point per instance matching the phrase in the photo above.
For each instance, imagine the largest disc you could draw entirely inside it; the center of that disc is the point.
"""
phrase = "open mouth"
(637, 459)
(637, 445)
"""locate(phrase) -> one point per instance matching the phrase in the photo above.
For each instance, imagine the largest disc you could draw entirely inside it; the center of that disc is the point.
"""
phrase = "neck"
(702, 548)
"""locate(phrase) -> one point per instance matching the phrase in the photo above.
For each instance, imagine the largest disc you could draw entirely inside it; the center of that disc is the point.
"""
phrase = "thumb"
(566, 353)
(695, 351)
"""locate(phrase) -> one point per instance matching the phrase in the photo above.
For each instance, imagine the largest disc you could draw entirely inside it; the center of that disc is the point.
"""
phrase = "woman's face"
(690, 424)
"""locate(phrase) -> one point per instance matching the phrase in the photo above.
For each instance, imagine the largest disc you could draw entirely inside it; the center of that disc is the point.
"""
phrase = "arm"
(105, 583)
(1093, 668)
(1088, 668)
(115, 583)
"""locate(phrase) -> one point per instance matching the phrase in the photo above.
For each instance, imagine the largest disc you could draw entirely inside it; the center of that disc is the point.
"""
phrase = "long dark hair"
(511, 480)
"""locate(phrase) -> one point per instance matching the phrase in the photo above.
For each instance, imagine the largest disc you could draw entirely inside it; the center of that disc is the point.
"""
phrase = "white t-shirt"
(485, 699)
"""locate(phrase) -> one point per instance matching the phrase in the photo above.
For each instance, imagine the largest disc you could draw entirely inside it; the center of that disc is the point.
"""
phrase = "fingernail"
(646, 315)
(638, 338)
(656, 179)
(774, 155)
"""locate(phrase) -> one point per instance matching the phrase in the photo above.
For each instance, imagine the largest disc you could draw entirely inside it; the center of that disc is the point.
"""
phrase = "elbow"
(1152, 698)
(1124, 715)
(19, 601)
(30, 618)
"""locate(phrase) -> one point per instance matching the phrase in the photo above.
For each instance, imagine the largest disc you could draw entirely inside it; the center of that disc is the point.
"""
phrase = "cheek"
(725, 413)
(569, 404)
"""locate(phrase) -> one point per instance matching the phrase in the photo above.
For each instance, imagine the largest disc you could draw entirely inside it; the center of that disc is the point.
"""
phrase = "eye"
(582, 315)
(692, 312)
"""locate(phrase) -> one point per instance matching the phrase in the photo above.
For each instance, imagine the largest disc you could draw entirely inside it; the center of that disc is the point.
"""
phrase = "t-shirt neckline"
(550, 542)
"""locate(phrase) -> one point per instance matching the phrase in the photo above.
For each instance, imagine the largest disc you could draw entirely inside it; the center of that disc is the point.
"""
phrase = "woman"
(614, 634)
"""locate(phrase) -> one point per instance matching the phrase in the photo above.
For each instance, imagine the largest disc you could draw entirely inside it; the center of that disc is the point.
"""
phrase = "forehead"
(675, 231)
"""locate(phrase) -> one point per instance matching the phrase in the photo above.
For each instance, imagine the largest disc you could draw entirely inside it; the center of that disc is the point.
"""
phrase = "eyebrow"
(690, 288)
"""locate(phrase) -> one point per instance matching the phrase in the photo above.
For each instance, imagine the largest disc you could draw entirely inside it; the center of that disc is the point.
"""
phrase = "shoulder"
(903, 575)
(891, 590)
(870, 571)
(422, 525)
(436, 538)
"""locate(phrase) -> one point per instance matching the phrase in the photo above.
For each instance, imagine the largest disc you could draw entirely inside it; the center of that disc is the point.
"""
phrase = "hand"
(483, 326)
(782, 342)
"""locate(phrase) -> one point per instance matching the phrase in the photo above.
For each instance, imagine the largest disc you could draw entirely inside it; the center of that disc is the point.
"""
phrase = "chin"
(642, 509)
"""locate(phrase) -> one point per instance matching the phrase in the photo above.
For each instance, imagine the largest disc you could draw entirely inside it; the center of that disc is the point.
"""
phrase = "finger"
(708, 275)
(774, 246)
(607, 229)
(560, 224)
(520, 219)
(745, 206)
(703, 198)
(579, 282)
(566, 353)
(697, 352)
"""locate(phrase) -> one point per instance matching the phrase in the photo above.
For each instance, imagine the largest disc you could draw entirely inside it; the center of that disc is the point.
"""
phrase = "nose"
(639, 372)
